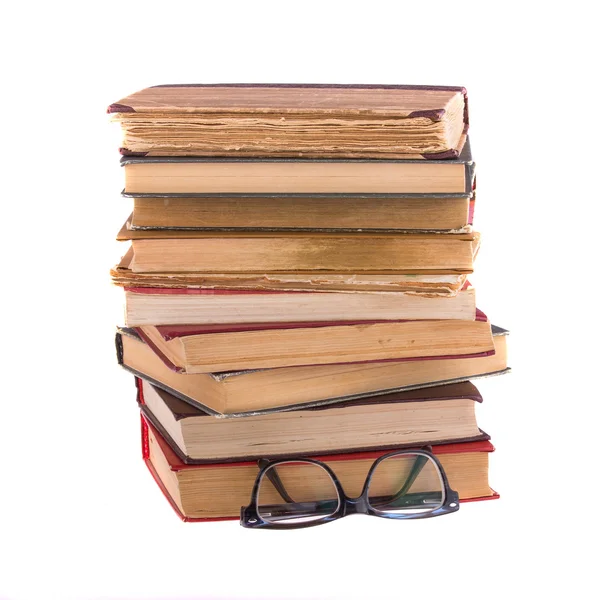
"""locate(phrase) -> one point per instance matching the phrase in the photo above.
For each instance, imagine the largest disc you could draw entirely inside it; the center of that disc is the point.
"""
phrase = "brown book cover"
(197, 251)
(318, 212)
(434, 284)
(183, 411)
(427, 121)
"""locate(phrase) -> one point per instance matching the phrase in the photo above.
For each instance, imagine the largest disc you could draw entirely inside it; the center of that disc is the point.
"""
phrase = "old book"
(432, 284)
(314, 212)
(247, 392)
(190, 251)
(434, 415)
(236, 346)
(294, 120)
(224, 177)
(195, 306)
(218, 491)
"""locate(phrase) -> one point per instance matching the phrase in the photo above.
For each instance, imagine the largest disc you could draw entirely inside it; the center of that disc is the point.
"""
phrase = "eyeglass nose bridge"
(354, 506)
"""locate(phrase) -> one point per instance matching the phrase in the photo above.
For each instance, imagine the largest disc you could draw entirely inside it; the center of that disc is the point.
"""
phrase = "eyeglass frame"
(250, 517)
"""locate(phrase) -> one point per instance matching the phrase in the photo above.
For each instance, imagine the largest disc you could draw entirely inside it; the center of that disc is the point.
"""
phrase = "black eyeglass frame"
(251, 518)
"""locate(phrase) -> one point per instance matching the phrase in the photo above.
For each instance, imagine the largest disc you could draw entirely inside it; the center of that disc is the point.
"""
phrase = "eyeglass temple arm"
(275, 480)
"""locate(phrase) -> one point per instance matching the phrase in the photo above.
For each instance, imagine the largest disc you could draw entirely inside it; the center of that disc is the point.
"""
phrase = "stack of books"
(296, 284)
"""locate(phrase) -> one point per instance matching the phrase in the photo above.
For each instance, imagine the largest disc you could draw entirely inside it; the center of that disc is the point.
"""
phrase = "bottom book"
(209, 492)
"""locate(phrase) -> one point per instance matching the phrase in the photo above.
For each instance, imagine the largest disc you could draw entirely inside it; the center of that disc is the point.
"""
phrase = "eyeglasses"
(291, 493)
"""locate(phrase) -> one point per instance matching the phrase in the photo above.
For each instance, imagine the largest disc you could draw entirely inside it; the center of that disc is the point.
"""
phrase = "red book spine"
(140, 391)
(145, 441)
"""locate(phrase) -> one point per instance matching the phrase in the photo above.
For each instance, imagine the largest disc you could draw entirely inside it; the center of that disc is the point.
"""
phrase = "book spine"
(146, 456)
(145, 439)
(469, 178)
(140, 391)
(119, 348)
(472, 201)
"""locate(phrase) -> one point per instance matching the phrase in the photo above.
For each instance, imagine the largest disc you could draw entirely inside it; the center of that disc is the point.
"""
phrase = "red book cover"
(176, 464)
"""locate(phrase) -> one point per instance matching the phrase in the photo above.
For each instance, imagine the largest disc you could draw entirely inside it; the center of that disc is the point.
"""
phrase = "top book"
(294, 121)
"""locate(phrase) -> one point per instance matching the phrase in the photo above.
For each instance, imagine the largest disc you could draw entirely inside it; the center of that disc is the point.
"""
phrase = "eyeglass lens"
(296, 492)
(406, 484)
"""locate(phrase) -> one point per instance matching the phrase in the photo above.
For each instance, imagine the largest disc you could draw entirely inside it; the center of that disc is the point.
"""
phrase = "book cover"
(423, 109)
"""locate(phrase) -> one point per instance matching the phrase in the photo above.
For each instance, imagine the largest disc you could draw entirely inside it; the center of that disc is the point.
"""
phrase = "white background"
(80, 516)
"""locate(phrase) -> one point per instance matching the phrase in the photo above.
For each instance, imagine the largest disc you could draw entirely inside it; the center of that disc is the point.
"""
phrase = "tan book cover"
(294, 120)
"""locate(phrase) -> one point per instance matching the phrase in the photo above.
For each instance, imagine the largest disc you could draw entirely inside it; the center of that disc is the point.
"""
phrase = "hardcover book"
(236, 346)
(432, 416)
(261, 390)
(196, 306)
(175, 177)
(447, 284)
(301, 212)
(192, 251)
(217, 491)
(297, 120)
